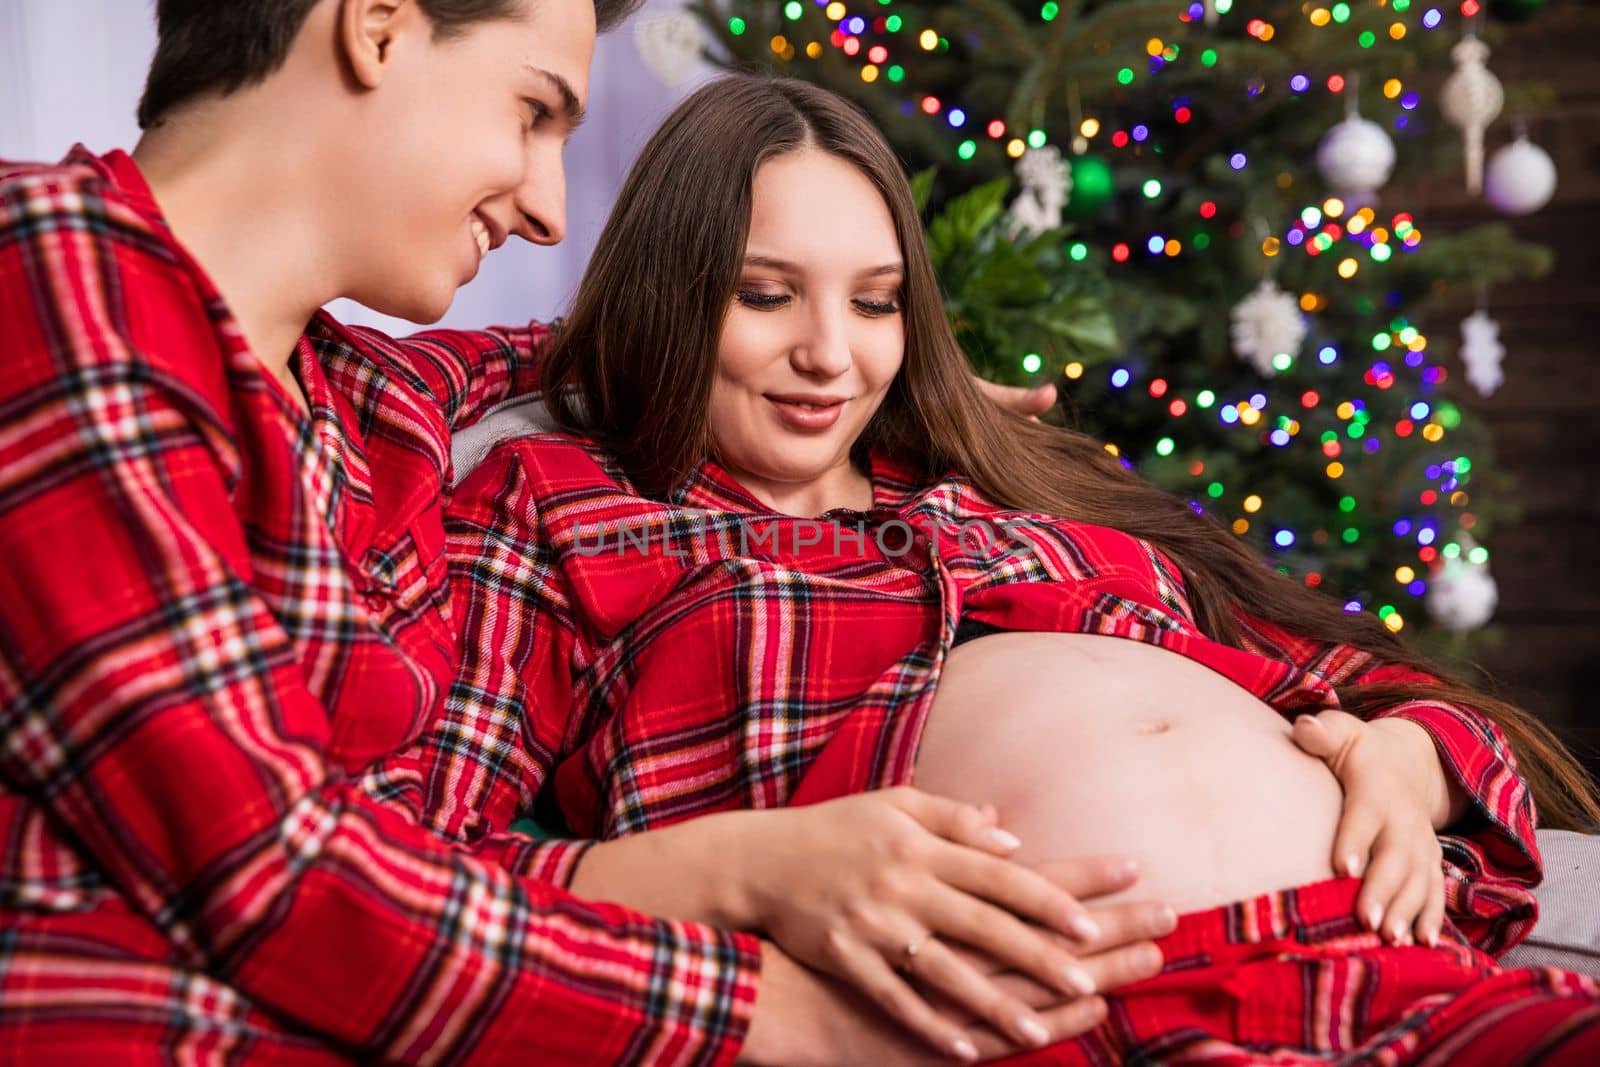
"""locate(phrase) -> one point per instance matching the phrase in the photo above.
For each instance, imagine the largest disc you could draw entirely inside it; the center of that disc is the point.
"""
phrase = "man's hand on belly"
(804, 1018)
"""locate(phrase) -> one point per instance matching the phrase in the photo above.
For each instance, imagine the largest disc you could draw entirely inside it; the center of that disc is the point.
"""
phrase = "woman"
(784, 553)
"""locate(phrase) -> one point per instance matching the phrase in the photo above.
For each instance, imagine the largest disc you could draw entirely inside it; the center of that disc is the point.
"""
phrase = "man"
(224, 592)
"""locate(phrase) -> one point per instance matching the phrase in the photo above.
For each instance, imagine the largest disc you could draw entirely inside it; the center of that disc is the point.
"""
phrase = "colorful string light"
(1317, 231)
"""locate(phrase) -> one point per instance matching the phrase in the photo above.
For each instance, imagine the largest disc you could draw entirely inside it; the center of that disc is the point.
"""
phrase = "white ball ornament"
(1463, 595)
(669, 44)
(1521, 178)
(1355, 158)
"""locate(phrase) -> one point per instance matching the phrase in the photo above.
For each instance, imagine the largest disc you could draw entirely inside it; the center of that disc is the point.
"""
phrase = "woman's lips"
(807, 418)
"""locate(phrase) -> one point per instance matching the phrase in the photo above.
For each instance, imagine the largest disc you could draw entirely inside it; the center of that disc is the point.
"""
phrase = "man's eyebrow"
(784, 265)
(571, 107)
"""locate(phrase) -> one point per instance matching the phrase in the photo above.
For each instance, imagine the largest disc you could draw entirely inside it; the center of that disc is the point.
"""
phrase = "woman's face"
(815, 335)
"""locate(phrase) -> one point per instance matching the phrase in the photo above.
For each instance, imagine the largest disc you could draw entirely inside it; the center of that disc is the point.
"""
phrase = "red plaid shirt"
(655, 660)
(214, 611)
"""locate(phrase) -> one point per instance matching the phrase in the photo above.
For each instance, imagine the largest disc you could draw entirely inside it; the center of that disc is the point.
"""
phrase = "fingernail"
(1078, 979)
(1433, 939)
(1002, 838)
(1166, 920)
(1151, 960)
(1037, 1035)
(1352, 865)
(1083, 926)
(1397, 932)
(1374, 918)
(965, 1050)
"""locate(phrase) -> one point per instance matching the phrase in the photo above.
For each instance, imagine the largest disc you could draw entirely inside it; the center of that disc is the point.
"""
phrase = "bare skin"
(1093, 757)
(1176, 765)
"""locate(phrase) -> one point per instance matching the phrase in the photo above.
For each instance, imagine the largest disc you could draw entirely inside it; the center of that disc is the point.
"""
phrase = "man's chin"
(423, 308)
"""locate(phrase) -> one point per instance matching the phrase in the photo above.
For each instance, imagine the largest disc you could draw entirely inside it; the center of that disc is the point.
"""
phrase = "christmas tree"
(1177, 213)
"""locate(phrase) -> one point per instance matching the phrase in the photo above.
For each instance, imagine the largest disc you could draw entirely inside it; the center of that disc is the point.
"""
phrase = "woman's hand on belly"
(1090, 743)
(1395, 793)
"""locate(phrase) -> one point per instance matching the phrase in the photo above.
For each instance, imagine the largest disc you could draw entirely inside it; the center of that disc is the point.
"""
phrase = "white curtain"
(72, 70)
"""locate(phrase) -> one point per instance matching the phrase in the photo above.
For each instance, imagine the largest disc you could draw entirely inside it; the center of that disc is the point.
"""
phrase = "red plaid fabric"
(652, 660)
(214, 611)
(1290, 979)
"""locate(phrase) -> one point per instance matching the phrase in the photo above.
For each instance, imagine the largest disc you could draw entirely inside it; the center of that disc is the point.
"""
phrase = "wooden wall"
(1546, 417)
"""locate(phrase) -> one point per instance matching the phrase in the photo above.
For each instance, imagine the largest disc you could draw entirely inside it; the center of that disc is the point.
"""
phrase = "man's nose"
(541, 204)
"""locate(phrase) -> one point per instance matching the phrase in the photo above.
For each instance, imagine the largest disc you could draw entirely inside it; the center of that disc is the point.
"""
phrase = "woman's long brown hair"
(632, 368)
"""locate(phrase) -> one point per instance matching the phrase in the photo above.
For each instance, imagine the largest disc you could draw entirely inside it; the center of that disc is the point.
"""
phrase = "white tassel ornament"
(1471, 98)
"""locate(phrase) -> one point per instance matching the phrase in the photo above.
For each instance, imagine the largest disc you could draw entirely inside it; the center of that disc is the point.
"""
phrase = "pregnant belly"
(1089, 744)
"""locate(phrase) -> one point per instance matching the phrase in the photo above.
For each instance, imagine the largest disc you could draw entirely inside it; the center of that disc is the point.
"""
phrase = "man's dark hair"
(221, 46)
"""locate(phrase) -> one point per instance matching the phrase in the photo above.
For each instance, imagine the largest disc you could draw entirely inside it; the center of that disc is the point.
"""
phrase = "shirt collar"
(895, 487)
(119, 168)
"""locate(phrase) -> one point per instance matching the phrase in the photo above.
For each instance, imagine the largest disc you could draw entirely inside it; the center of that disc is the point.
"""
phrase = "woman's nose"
(825, 352)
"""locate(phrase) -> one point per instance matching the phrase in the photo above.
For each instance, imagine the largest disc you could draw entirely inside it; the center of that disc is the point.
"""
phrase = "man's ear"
(367, 29)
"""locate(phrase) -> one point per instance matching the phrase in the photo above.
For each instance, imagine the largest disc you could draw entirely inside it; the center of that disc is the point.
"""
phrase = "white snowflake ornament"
(1482, 352)
(1046, 181)
(1267, 323)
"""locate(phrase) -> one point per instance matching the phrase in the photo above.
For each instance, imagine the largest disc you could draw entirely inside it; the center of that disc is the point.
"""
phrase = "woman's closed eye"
(878, 307)
(773, 301)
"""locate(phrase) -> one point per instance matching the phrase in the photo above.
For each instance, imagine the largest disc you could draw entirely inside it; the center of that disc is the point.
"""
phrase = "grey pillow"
(517, 417)
(1568, 933)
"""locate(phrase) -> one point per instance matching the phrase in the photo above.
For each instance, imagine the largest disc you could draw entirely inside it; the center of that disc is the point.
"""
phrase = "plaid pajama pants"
(1290, 978)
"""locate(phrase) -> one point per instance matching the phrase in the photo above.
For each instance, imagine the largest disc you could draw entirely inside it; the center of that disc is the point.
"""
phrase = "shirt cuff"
(708, 993)
(553, 860)
(1486, 775)
(1492, 857)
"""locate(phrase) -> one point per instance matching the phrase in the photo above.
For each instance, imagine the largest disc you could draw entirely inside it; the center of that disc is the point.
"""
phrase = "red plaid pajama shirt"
(214, 612)
(652, 660)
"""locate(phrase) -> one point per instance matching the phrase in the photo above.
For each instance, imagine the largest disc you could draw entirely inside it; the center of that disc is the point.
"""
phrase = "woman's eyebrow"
(784, 265)
(572, 109)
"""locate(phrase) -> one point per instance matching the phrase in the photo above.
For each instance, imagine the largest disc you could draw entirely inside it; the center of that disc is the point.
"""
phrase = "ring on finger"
(909, 953)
